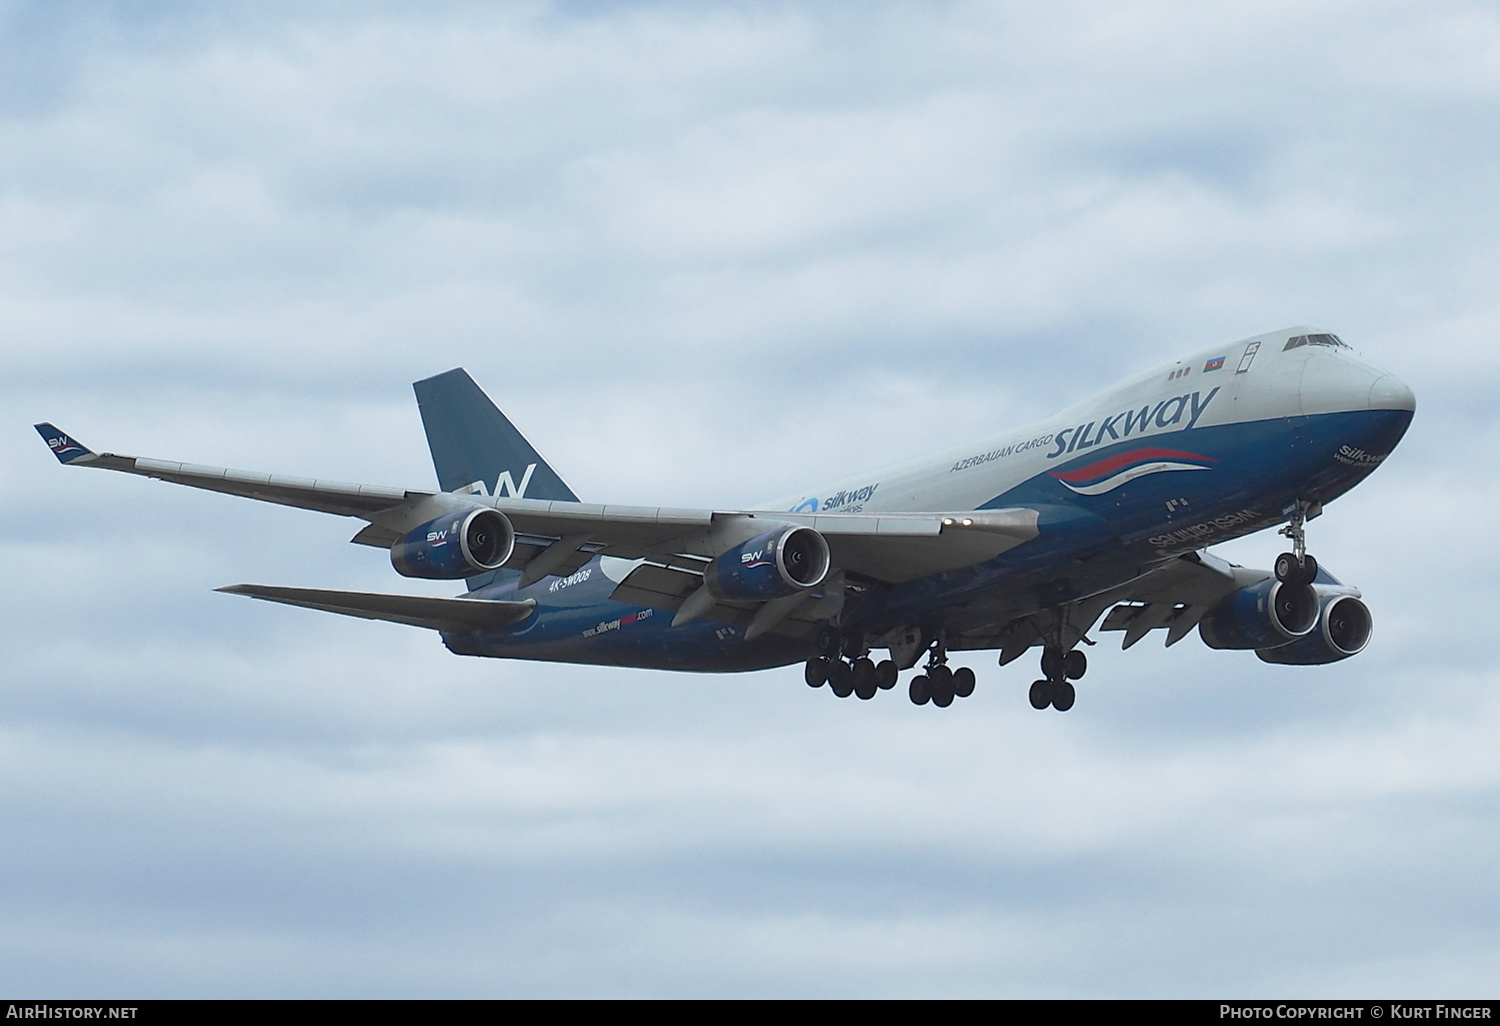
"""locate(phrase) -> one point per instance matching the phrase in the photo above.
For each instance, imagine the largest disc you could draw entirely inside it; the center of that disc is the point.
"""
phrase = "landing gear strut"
(1297, 567)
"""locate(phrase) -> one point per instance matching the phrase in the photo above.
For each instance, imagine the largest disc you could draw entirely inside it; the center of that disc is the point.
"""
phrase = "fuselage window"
(1298, 341)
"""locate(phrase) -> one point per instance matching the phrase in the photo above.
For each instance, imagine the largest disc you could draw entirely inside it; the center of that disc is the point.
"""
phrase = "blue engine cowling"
(1344, 628)
(772, 565)
(1264, 615)
(457, 545)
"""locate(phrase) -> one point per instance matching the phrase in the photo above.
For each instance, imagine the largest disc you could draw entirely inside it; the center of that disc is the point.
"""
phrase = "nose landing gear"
(1297, 566)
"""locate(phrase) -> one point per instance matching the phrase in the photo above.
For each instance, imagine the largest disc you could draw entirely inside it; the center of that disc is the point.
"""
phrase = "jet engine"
(772, 565)
(1343, 630)
(1264, 615)
(456, 545)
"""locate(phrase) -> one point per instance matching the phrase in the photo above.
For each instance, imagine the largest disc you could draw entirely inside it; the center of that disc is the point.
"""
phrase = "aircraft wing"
(557, 537)
(350, 500)
(442, 614)
(1173, 596)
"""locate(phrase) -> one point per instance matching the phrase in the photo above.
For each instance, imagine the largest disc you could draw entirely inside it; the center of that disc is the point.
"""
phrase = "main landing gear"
(1059, 668)
(938, 684)
(1297, 567)
(846, 667)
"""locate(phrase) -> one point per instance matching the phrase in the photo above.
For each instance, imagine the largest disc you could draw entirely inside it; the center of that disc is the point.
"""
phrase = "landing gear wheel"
(963, 682)
(1309, 568)
(920, 691)
(886, 674)
(1288, 572)
(841, 678)
(942, 693)
(864, 679)
(1040, 694)
(1075, 664)
(816, 673)
(1053, 664)
(829, 641)
(1297, 567)
(1286, 567)
(1063, 696)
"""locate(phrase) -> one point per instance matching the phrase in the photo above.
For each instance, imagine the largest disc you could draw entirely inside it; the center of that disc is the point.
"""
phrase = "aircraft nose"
(1337, 380)
(1391, 393)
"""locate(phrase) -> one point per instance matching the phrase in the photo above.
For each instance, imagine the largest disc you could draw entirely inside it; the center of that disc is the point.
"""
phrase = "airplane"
(1022, 540)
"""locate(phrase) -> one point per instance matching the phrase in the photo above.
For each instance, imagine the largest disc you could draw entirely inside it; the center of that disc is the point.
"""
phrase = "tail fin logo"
(64, 448)
(505, 485)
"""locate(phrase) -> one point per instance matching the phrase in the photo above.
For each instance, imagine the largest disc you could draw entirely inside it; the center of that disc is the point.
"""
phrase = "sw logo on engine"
(754, 558)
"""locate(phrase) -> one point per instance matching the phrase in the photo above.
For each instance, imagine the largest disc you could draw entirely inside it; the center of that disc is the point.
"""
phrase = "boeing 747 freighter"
(1022, 540)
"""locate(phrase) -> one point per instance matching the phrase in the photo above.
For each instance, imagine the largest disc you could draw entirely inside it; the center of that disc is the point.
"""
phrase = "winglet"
(65, 448)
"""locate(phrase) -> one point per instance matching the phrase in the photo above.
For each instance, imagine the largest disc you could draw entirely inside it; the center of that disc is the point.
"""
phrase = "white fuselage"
(1267, 384)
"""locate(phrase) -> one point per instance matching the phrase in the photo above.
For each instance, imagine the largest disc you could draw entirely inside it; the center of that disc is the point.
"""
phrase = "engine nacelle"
(775, 564)
(1261, 616)
(456, 545)
(1343, 630)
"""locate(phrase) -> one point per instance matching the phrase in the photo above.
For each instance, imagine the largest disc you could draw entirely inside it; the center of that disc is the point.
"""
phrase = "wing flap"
(376, 536)
(666, 589)
(440, 614)
(659, 587)
(1175, 596)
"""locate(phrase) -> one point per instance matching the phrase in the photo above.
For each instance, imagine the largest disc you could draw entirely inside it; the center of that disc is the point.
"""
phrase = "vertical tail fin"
(474, 446)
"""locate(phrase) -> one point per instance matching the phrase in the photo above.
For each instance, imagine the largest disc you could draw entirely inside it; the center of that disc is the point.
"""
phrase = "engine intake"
(455, 546)
(1265, 615)
(771, 565)
(1344, 630)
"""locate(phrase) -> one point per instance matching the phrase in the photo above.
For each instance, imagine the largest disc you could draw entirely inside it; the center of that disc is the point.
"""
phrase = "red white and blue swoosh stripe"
(1110, 473)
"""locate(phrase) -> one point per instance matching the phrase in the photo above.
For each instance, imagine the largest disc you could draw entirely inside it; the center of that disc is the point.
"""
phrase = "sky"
(704, 254)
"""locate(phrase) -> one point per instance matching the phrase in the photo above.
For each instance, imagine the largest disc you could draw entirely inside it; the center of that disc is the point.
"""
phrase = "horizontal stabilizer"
(439, 614)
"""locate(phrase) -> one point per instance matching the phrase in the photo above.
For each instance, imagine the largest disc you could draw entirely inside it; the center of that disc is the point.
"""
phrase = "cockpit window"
(1298, 341)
